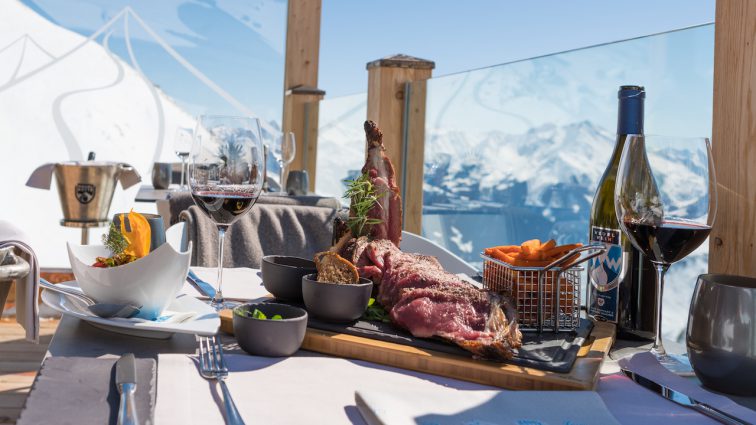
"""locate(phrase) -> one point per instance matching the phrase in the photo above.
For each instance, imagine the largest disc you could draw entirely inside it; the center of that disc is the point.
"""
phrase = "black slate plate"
(548, 351)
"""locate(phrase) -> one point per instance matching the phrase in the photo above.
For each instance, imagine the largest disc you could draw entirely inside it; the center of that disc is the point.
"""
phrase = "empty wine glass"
(226, 176)
(288, 151)
(666, 202)
(182, 145)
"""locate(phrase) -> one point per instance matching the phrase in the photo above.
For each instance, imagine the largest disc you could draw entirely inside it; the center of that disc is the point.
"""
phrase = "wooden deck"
(19, 363)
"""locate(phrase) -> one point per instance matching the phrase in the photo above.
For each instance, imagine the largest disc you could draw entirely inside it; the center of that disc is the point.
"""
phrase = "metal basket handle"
(593, 250)
(585, 253)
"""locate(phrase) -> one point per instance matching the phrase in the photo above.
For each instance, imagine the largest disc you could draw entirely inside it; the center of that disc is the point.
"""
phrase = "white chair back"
(451, 262)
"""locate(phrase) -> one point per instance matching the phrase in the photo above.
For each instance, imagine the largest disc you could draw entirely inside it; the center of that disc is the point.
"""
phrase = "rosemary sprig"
(364, 196)
(114, 240)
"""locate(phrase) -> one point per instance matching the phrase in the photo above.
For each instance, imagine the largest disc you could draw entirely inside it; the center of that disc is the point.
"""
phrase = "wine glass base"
(676, 363)
(223, 305)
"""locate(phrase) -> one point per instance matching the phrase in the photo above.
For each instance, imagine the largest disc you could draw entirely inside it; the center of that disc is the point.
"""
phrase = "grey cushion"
(268, 229)
(181, 201)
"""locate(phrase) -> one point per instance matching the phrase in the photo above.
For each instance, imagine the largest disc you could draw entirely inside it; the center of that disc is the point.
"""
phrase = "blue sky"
(462, 35)
(239, 43)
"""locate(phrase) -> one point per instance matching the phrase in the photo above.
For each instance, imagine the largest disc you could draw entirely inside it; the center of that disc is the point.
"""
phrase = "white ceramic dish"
(184, 314)
(151, 282)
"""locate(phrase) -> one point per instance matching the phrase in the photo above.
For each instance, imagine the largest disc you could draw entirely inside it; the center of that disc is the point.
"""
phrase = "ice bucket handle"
(128, 176)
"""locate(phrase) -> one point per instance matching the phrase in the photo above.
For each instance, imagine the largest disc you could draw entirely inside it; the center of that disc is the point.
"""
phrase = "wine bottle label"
(604, 272)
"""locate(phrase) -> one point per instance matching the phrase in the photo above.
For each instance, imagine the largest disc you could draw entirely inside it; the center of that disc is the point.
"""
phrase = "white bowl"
(151, 282)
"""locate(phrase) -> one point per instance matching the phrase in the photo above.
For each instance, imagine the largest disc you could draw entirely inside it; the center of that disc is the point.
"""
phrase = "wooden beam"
(301, 96)
(731, 248)
(396, 102)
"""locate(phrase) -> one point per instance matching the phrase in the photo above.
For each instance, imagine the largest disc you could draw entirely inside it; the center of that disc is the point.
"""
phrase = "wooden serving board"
(583, 376)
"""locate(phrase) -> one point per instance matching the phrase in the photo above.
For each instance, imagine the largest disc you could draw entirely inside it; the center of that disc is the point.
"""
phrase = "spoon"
(104, 310)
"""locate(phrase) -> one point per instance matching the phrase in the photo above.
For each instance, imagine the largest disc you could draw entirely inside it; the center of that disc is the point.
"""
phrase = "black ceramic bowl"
(267, 337)
(720, 336)
(282, 275)
(336, 302)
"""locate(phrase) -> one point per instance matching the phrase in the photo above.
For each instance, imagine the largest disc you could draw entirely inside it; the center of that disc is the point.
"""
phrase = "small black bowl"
(267, 337)
(336, 302)
(282, 275)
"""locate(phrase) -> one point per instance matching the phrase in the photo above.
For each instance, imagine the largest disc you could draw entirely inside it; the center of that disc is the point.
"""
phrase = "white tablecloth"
(317, 389)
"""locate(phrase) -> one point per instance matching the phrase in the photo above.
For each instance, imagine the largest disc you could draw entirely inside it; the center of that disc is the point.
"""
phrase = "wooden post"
(396, 102)
(301, 97)
(731, 246)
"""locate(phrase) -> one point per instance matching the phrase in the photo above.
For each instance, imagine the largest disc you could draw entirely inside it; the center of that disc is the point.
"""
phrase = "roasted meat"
(388, 209)
(430, 302)
(418, 293)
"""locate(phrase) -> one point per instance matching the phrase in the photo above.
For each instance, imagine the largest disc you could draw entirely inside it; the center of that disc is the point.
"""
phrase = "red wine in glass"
(668, 241)
(224, 207)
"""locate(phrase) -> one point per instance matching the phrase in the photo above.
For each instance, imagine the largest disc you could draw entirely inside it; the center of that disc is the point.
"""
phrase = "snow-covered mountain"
(57, 103)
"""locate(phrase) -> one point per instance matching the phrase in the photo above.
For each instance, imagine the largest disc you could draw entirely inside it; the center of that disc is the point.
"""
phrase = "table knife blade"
(126, 382)
(200, 285)
(683, 399)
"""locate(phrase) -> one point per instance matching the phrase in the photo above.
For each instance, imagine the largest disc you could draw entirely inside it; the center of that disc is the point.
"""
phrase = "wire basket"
(546, 297)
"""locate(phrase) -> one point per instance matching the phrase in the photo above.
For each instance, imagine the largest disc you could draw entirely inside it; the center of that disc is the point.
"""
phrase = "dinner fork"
(213, 366)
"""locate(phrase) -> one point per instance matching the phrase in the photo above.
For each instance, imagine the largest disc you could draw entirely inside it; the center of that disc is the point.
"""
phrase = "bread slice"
(332, 268)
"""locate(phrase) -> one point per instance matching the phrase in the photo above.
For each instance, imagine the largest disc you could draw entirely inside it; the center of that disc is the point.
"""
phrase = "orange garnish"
(139, 236)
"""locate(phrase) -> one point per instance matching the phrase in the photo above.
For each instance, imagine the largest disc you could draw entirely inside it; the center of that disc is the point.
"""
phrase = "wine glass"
(226, 175)
(288, 150)
(666, 201)
(182, 145)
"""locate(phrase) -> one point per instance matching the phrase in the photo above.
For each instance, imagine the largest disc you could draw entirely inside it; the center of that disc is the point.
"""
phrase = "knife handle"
(127, 414)
(718, 415)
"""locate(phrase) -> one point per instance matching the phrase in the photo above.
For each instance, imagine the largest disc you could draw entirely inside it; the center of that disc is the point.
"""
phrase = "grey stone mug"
(721, 333)
(298, 182)
(161, 175)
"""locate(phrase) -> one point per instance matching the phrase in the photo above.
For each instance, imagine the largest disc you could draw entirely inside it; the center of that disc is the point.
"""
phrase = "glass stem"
(218, 298)
(281, 177)
(658, 347)
(183, 170)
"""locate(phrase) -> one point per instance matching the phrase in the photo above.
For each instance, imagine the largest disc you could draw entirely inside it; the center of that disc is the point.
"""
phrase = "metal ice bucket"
(86, 188)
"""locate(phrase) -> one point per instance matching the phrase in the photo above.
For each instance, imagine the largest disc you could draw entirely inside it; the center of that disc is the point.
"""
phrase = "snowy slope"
(87, 101)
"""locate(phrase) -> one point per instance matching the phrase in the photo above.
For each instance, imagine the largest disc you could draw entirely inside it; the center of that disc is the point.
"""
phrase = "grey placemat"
(81, 391)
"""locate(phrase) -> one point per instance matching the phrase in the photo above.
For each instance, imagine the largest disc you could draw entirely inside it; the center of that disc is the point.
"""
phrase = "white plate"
(185, 314)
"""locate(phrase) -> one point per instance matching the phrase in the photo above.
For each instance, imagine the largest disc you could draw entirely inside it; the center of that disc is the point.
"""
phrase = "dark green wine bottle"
(622, 288)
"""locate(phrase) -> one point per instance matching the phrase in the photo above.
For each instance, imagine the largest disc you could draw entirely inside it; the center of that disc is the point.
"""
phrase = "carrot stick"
(551, 243)
(530, 248)
(560, 250)
(502, 256)
(530, 263)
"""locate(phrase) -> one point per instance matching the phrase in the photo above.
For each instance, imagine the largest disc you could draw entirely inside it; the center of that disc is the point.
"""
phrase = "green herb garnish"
(256, 314)
(376, 312)
(364, 196)
(114, 240)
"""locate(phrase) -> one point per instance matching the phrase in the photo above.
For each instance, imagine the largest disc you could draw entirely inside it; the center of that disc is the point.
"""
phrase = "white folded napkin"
(307, 388)
(27, 309)
(238, 283)
(450, 407)
(633, 394)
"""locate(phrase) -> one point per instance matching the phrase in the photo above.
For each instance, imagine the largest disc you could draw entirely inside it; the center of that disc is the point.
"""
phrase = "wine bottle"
(622, 288)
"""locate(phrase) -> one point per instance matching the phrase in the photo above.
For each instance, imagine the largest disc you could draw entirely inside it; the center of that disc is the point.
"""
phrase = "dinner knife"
(200, 285)
(684, 400)
(126, 383)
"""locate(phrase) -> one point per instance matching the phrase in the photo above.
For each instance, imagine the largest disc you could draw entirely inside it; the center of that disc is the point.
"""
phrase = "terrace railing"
(514, 151)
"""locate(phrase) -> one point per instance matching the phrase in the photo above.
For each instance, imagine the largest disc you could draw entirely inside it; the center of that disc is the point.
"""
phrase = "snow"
(98, 99)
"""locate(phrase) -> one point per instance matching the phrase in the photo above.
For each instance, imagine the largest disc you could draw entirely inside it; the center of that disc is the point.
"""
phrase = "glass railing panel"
(515, 151)
(120, 79)
(341, 143)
